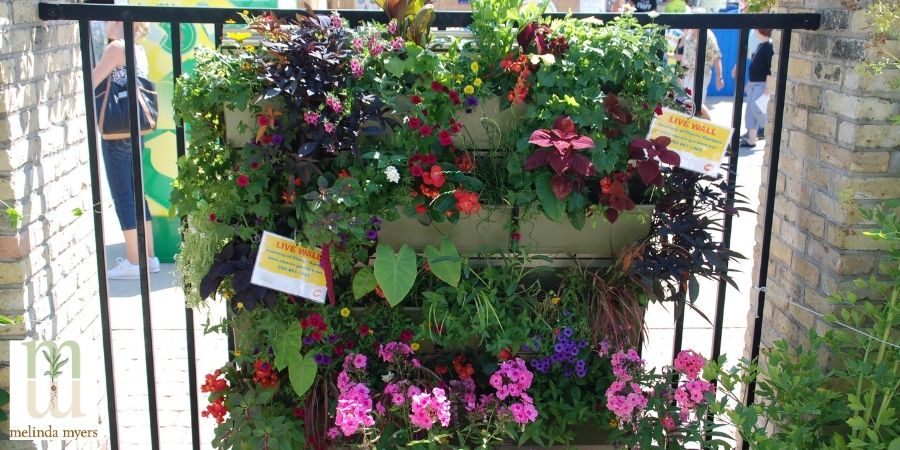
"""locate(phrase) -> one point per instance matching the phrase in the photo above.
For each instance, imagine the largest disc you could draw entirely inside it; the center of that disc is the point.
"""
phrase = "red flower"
(516, 236)
(299, 413)
(254, 165)
(464, 162)
(297, 181)
(406, 336)
(444, 138)
(435, 176)
(455, 127)
(344, 173)
(243, 181)
(463, 370)
(212, 217)
(658, 109)
(504, 355)
(364, 330)
(436, 86)
(430, 192)
(467, 202)
(441, 369)
(688, 91)
(414, 194)
(214, 383)
(216, 410)
(425, 130)
(416, 100)
(263, 121)
(454, 97)
(415, 123)
(263, 374)
(416, 171)
(421, 209)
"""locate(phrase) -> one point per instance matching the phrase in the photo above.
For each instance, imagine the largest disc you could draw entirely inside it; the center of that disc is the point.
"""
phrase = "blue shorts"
(117, 160)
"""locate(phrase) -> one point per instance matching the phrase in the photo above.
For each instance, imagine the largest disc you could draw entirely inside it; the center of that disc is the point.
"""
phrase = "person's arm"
(113, 56)
(616, 6)
(720, 76)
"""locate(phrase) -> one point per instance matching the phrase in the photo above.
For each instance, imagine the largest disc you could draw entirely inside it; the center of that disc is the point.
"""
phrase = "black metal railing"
(175, 16)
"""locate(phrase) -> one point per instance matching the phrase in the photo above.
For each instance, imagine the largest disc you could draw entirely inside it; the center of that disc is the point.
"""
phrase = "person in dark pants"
(759, 70)
(117, 155)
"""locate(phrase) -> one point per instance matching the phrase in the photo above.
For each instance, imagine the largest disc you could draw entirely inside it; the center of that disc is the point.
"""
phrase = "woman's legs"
(117, 158)
(754, 117)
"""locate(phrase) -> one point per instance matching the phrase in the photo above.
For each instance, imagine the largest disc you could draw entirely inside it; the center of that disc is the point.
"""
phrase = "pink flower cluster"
(692, 392)
(625, 399)
(689, 363)
(426, 409)
(511, 381)
(356, 68)
(624, 362)
(394, 352)
(354, 408)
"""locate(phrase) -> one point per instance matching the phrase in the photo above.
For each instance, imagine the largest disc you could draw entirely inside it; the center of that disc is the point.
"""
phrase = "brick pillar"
(838, 151)
(47, 262)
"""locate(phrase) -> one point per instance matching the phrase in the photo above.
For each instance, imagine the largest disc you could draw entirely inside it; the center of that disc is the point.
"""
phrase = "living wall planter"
(484, 232)
(486, 124)
(597, 239)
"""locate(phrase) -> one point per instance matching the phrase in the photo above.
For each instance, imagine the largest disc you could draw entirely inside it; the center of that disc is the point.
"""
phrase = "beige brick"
(809, 96)
(781, 251)
(872, 84)
(799, 69)
(8, 75)
(793, 236)
(851, 239)
(812, 223)
(802, 144)
(798, 191)
(822, 125)
(844, 159)
(24, 11)
(869, 136)
(860, 21)
(796, 117)
(805, 269)
(4, 14)
(803, 317)
(835, 210)
(856, 108)
(874, 188)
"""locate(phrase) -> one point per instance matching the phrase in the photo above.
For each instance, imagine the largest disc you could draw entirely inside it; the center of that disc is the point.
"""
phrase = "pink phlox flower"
(689, 363)
(427, 409)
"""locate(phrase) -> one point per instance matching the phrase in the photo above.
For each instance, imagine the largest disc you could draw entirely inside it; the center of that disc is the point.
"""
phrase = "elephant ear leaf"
(420, 27)
(395, 272)
(302, 373)
(445, 262)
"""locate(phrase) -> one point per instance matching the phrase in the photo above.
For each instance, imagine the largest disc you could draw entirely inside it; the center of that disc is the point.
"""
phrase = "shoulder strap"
(102, 111)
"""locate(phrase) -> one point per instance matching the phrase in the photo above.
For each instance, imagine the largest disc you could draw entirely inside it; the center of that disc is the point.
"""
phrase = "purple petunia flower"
(277, 139)
(471, 101)
(371, 235)
(321, 359)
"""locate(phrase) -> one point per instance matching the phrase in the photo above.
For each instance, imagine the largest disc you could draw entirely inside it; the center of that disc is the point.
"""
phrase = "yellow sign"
(700, 143)
(286, 266)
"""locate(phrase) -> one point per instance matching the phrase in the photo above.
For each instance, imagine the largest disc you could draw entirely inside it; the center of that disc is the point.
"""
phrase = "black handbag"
(111, 100)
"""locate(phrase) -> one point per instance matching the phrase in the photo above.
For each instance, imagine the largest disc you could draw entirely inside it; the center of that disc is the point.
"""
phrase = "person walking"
(117, 155)
(713, 61)
(759, 70)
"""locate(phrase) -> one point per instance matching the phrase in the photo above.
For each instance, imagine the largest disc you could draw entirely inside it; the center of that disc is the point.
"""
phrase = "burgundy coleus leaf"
(561, 185)
(582, 142)
(649, 172)
(560, 161)
(526, 35)
(537, 159)
(583, 165)
(542, 138)
(669, 157)
(612, 215)
(564, 127)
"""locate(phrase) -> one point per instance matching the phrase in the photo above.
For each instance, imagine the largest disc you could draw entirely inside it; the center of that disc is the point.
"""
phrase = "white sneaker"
(124, 271)
(153, 264)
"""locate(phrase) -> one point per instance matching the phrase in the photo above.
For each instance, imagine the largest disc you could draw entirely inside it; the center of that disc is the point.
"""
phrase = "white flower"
(653, 14)
(392, 175)
(376, 155)
(387, 377)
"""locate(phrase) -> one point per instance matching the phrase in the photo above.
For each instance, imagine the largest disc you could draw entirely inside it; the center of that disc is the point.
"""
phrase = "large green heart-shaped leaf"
(445, 262)
(286, 345)
(302, 373)
(553, 207)
(363, 282)
(395, 272)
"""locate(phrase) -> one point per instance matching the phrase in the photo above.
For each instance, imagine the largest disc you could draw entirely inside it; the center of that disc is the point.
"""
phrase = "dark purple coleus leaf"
(562, 186)
(526, 35)
(563, 155)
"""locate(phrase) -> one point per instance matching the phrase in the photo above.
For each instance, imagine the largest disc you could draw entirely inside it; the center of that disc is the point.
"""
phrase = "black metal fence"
(175, 16)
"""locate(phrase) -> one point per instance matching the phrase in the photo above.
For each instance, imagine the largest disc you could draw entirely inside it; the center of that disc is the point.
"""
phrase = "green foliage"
(444, 261)
(302, 373)
(395, 272)
(12, 214)
(853, 403)
(4, 400)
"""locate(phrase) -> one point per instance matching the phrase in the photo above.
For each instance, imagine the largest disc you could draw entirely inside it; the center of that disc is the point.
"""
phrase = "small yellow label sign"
(286, 266)
(700, 143)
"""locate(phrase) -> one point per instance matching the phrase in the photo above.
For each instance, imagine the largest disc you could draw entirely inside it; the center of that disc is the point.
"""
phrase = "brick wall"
(838, 152)
(47, 263)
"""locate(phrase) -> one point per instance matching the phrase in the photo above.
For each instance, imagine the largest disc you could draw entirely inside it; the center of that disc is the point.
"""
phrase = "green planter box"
(485, 232)
(598, 238)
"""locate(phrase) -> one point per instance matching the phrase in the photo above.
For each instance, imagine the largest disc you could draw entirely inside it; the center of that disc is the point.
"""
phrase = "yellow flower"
(477, 82)
(414, 346)
(474, 66)
(249, 48)
(240, 37)
(554, 300)
(469, 89)
(614, 423)
(240, 306)
(237, 353)
(245, 12)
(460, 78)
(345, 312)
(230, 21)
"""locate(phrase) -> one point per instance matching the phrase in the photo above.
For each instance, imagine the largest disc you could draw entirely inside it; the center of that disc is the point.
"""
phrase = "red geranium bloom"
(415, 123)
(467, 202)
(421, 209)
(214, 383)
(444, 138)
(436, 86)
(364, 330)
(454, 97)
(464, 162)
(243, 181)
(416, 100)
(416, 171)
(430, 192)
(455, 127)
(425, 130)
(435, 176)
